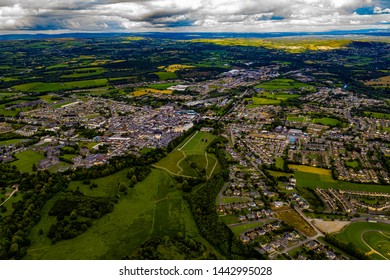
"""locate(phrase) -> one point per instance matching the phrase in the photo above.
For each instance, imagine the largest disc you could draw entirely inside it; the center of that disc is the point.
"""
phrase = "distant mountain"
(180, 35)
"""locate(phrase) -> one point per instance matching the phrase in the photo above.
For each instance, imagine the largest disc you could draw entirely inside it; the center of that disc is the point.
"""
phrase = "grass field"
(283, 84)
(11, 141)
(191, 151)
(372, 238)
(163, 86)
(153, 207)
(176, 67)
(279, 174)
(143, 91)
(259, 101)
(353, 163)
(279, 163)
(166, 75)
(296, 119)
(45, 87)
(292, 218)
(313, 177)
(26, 160)
(239, 229)
(8, 205)
(327, 121)
(230, 200)
(377, 115)
(229, 219)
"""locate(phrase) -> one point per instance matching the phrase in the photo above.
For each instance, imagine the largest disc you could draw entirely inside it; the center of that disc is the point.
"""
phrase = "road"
(12, 193)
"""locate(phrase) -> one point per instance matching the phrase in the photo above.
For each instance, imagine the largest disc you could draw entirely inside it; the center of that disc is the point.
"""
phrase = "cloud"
(379, 10)
(190, 15)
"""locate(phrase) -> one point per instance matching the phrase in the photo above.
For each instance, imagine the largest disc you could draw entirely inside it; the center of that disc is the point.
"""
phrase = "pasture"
(165, 75)
(371, 238)
(259, 101)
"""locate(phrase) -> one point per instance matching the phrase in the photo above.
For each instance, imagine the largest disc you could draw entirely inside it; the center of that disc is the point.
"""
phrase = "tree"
(34, 167)
(133, 181)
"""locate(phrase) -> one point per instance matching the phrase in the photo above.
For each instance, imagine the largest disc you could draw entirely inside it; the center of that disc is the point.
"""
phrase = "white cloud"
(222, 15)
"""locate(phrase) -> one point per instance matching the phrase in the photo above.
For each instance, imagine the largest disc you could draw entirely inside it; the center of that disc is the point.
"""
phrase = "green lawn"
(296, 119)
(239, 229)
(327, 121)
(166, 75)
(229, 200)
(8, 205)
(279, 174)
(11, 141)
(279, 163)
(377, 115)
(191, 151)
(353, 163)
(197, 143)
(312, 180)
(153, 207)
(26, 160)
(375, 235)
(258, 101)
(280, 84)
(107, 186)
(162, 86)
(229, 219)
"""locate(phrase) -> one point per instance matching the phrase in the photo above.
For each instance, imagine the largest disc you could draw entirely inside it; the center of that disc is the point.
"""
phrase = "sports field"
(189, 158)
(371, 238)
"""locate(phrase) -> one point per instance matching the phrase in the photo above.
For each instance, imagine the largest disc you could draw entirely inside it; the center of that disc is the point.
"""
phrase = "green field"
(327, 121)
(189, 157)
(153, 207)
(279, 174)
(283, 84)
(229, 219)
(371, 238)
(239, 229)
(312, 180)
(377, 115)
(45, 87)
(279, 163)
(162, 86)
(166, 75)
(296, 119)
(230, 200)
(279, 96)
(11, 141)
(353, 163)
(258, 101)
(8, 205)
(26, 160)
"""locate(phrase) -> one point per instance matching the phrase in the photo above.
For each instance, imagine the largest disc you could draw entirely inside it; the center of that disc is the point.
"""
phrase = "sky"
(59, 16)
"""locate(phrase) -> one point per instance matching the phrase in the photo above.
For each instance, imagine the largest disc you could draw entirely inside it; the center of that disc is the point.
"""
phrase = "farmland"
(371, 238)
